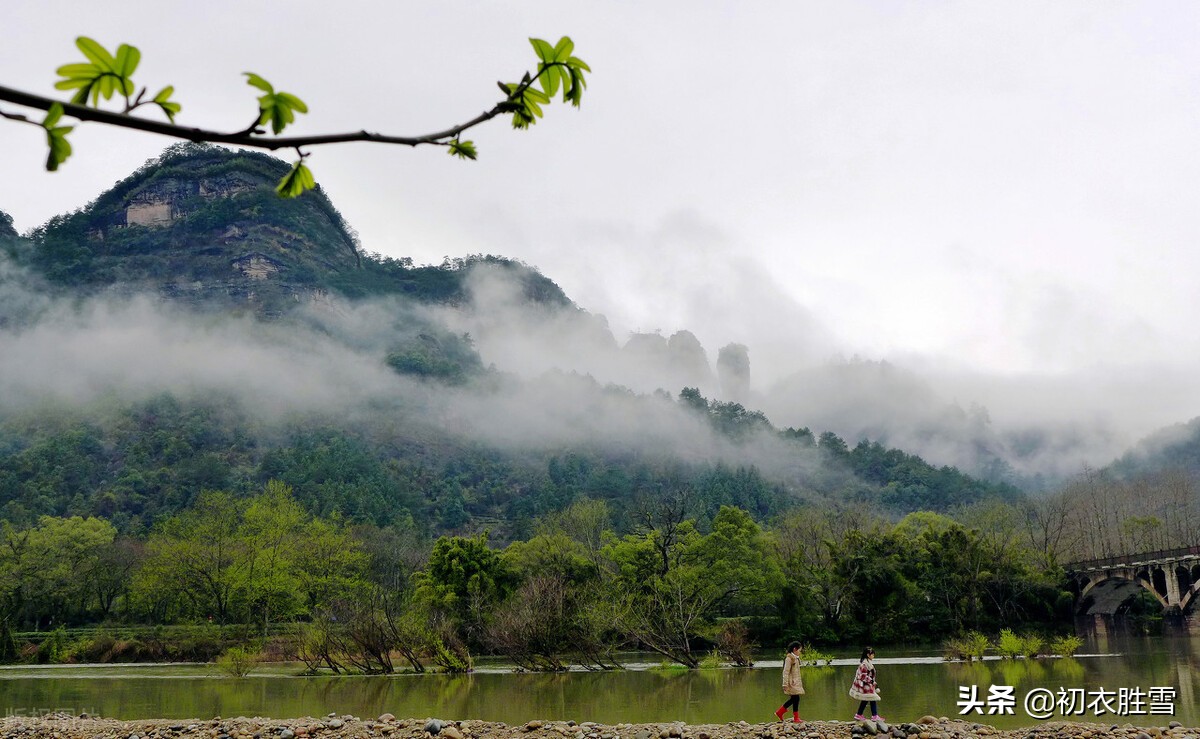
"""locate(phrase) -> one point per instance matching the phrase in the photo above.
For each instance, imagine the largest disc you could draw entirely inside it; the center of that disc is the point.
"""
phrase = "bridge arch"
(1189, 586)
(1106, 593)
(1172, 577)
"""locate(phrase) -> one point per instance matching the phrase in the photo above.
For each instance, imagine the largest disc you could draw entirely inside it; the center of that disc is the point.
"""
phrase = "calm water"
(913, 683)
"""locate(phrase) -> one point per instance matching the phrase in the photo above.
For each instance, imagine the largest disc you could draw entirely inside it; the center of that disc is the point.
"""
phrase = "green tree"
(199, 557)
(65, 555)
(463, 582)
(50, 571)
(272, 526)
(330, 564)
(674, 585)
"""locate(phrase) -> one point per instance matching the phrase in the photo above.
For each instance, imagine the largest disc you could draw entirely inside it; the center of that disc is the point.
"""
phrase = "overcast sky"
(1005, 188)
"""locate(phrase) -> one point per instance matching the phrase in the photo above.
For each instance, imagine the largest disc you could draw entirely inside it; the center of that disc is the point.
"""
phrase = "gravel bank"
(65, 726)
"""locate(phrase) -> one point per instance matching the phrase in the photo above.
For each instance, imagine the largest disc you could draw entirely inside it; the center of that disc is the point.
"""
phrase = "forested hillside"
(189, 363)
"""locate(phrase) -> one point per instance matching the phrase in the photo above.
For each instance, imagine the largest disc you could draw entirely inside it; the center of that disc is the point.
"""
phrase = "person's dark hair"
(866, 651)
(793, 645)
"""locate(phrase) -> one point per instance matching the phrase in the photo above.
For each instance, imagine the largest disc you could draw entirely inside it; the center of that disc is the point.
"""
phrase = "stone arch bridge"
(1172, 577)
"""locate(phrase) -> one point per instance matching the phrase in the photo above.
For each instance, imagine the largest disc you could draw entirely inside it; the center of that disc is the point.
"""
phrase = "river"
(913, 682)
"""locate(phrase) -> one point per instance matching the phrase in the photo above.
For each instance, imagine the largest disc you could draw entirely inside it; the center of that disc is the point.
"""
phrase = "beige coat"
(792, 684)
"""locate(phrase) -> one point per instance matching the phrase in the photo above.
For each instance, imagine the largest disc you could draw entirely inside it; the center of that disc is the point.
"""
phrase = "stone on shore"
(65, 726)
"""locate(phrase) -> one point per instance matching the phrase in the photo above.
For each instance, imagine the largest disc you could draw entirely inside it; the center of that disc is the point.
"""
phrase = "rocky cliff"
(203, 225)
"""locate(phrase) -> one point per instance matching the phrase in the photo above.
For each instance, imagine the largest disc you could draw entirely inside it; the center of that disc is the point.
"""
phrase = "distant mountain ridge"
(201, 228)
(1174, 448)
(369, 389)
(202, 225)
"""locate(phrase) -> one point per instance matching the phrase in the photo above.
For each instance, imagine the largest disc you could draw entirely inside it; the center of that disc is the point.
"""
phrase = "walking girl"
(864, 688)
(792, 685)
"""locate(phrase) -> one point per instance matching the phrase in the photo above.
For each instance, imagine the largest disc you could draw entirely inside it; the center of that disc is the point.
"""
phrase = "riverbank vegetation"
(264, 573)
(175, 530)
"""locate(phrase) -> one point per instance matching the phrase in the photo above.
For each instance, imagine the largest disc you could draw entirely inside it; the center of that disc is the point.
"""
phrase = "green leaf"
(168, 106)
(163, 100)
(544, 50)
(563, 49)
(256, 81)
(97, 54)
(578, 64)
(127, 60)
(170, 110)
(60, 148)
(549, 77)
(52, 116)
(574, 94)
(78, 71)
(292, 101)
(72, 83)
(81, 97)
(296, 181)
(275, 107)
(463, 149)
(106, 85)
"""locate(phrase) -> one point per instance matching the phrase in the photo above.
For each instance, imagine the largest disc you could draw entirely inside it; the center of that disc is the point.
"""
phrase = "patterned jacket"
(864, 687)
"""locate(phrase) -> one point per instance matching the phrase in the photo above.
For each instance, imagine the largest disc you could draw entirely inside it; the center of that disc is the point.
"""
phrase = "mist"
(327, 362)
(1032, 427)
(563, 377)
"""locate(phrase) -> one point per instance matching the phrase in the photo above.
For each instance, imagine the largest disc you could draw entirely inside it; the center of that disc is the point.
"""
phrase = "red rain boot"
(796, 718)
(779, 713)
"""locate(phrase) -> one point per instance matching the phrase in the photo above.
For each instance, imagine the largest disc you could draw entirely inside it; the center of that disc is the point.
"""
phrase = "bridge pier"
(1106, 586)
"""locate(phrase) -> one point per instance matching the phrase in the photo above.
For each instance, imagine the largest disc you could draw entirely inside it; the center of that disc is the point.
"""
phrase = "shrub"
(8, 645)
(54, 648)
(712, 661)
(970, 646)
(814, 657)
(1010, 646)
(1066, 646)
(1031, 645)
(734, 643)
(237, 662)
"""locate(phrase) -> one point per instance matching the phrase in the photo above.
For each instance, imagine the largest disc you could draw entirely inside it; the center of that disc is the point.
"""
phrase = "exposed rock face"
(161, 202)
(149, 211)
(688, 361)
(203, 226)
(647, 349)
(256, 266)
(733, 371)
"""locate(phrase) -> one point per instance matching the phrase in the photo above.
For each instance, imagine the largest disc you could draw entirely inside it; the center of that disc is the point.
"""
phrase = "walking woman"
(792, 685)
(864, 688)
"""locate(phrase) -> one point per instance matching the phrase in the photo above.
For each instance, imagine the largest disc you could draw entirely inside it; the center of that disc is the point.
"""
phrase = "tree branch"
(241, 138)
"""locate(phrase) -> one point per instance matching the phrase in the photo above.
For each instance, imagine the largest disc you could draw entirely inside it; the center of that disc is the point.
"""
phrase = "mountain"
(189, 330)
(865, 399)
(203, 226)
(1172, 449)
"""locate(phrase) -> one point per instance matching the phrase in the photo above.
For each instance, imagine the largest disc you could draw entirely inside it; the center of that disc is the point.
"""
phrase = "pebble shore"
(387, 726)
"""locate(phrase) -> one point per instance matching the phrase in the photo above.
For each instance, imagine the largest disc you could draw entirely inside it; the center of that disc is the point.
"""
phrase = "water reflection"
(911, 686)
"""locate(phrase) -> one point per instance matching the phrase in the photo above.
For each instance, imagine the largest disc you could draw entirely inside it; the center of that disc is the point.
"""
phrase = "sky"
(998, 196)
